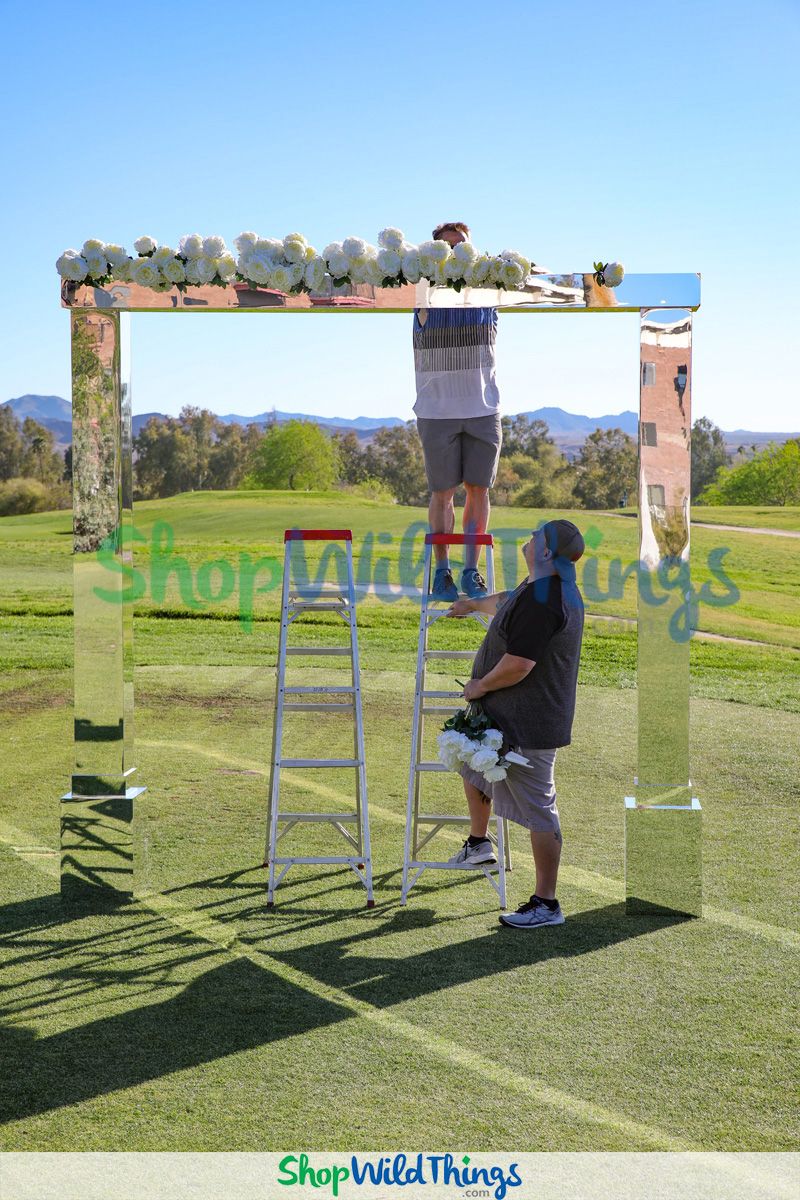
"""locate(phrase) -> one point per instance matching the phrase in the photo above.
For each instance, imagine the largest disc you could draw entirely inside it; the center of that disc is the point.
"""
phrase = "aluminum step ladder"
(353, 826)
(422, 827)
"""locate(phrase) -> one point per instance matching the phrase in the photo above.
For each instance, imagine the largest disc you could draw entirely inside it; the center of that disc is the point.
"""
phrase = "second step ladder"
(421, 827)
(353, 826)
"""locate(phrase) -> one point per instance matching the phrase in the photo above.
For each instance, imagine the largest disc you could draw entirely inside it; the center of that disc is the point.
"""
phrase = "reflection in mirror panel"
(97, 849)
(663, 867)
(576, 292)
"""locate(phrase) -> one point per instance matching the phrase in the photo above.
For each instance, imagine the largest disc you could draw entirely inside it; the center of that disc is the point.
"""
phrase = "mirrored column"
(662, 819)
(97, 814)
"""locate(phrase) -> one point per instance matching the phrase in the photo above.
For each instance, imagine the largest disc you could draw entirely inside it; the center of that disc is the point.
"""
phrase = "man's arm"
(485, 604)
(509, 670)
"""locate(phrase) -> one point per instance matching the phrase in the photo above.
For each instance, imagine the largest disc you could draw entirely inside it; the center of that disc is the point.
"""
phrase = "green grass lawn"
(198, 1020)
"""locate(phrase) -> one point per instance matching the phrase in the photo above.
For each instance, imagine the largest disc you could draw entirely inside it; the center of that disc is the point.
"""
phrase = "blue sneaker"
(473, 583)
(443, 586)
(533, 915)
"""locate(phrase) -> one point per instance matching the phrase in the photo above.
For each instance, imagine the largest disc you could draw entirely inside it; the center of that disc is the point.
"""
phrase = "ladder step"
(442, 695)
(318, 708)
(431, 766)
(319, 650)
(322, 590)
(317, 607)
(449, 653)
(318, 762)
(431, 819)
(318, 687)
(291, 816)
(430, 710)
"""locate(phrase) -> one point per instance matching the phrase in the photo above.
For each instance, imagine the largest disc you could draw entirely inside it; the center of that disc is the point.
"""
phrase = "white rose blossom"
(245, 242)
(493, 739)
(411, 269)
(214, 246)
(332, 248)
(515, 256)
(256, 267)
(315, 274)
(482, 759)
(96, 264)
(613, 274)
(146, 273)
(163, 255)
(91, 246)
(271, 249)
(494, 774)
(391, 239)
(354, 247)
(389, 262)
(338, 265)
(145, 245)
(72, 265)
(465, 252)
(173, 271)
(294, 247)
(122, 271)
(281, 279)
(226, 267)
(115, 254)
(190, 245)
(201, 270)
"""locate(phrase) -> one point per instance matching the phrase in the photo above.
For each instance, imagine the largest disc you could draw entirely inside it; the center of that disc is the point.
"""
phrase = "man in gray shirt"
(525, 676)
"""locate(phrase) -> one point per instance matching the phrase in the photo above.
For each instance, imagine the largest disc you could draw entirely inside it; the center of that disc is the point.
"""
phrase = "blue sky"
(664, 137)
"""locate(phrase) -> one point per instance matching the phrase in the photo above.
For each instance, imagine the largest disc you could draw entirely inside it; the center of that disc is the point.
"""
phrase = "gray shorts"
(460, 450)
(527, 795)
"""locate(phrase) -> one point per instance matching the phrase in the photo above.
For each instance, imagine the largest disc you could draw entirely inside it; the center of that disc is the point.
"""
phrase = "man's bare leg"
(475, 519)
(480, 810)
(546, 855)
(442, 519)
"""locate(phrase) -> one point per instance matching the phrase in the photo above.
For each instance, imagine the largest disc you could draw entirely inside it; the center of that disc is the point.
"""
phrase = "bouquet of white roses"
(468, 737)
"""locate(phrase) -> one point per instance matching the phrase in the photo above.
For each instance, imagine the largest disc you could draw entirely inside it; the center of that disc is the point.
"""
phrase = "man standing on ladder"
(525, 676)
(458, 421)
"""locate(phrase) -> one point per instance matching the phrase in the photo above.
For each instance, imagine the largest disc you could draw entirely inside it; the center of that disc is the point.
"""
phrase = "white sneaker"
(480, 855)
(532, 914)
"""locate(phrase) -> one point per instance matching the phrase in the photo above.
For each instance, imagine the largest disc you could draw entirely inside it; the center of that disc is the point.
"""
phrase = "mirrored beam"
(663, 865)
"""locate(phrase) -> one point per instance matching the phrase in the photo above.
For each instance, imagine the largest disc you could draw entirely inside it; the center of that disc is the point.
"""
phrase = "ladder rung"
(322, 590)
(430, 819)
(290, 816)
(430, 766)
(449, 653)
(319, 650)
(430, 710)
(317, 607)
(318, 762)
(442, 695)
(318, 707)
(318, 687)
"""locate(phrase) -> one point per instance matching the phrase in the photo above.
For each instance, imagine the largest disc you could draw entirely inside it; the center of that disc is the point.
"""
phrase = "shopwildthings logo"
(398, 1170)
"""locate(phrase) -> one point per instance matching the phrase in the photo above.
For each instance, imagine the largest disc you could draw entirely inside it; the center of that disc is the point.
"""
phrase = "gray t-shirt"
(542, 620)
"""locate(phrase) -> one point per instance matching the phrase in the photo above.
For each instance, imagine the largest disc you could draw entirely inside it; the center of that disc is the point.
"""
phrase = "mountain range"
(568, 430)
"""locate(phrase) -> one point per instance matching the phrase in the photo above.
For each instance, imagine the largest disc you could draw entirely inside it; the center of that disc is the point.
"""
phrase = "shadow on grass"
(226, 1006)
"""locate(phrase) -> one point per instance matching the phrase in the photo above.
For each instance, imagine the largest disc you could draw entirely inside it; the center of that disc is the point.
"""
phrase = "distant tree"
(165, 459)
(295, 455)
(708, 454)
(605, 469)
(352, 456)
(521, 435)
(546, 481)
(10, 443)
(395, 456)
(40, 459)
(232, 455)
(68, 464)
(202, 428)
(19, 496)
(772, 476)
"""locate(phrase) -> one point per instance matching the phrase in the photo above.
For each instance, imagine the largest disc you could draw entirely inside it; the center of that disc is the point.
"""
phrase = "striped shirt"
(454, 361)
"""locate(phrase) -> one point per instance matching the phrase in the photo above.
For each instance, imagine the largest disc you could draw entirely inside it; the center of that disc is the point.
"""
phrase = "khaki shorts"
(460, 450)
(527, 795)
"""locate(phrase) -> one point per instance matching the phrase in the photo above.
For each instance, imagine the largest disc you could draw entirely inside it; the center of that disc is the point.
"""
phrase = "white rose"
(465, 252)
(271, 249)
(453, 269)
(493, 739)
(174, 271)
(354, 247)
(338, 265)
(115, 254)
(373, 273)
(96, 264)
(71, 265)
(478, 271)
(255, 267)
(163, 255)
(145, 245)
(466, 748)
(245, 242)
(511, 274)
(411, 267)
(332, 248)
(190, 245)
(281, 278)
(439, 250)
(201, 270)
(226, 266)
(482, 759)
(614, 274)
(294, 247)
(145, 272)
(515, 256)
(122, 271)
(214, 246)
(391, 239)
(315, 274)
(494, 774)
(389, 263)
(91, 246)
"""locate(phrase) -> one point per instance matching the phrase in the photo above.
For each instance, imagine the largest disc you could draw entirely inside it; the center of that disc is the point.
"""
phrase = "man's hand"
(461, 608)
(474, 689)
